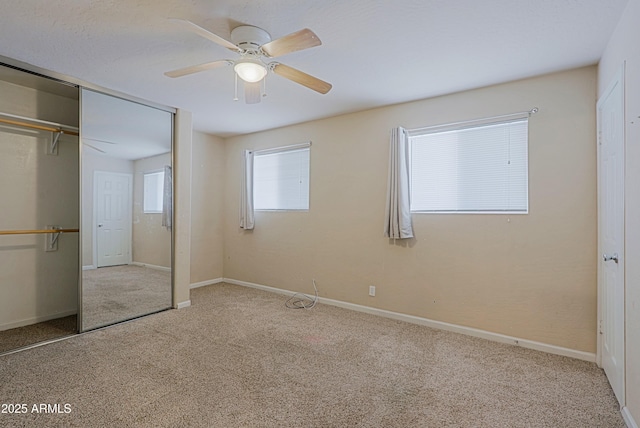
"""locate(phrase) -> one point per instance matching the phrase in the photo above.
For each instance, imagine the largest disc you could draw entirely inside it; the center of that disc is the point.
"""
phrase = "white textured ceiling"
(141, 131)
(374, 52)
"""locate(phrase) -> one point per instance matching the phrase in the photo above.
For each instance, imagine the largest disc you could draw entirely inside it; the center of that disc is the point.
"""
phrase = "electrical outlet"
(372, 290)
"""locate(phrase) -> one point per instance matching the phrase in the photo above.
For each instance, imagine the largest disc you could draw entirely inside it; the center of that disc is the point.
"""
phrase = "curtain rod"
(521, 114)
(281, 149)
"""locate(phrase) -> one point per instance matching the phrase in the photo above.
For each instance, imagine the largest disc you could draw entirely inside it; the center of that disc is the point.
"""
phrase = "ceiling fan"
(255, 48)
(96, 140)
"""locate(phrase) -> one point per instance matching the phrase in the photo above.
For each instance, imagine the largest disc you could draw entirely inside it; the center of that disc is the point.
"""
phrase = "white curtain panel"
(167, 199)
(398, 213)
(246, 195)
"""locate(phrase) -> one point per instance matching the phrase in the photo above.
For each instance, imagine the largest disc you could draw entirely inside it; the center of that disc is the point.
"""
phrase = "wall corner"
(182, 206)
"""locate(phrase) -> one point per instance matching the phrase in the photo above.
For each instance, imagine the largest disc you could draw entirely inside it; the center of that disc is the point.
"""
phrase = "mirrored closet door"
(127, 200)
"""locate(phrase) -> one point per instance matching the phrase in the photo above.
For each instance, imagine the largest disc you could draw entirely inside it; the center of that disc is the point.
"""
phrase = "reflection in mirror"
(126, 209)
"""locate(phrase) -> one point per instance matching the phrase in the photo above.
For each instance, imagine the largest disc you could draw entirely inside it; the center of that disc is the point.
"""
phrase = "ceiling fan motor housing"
(249, 38)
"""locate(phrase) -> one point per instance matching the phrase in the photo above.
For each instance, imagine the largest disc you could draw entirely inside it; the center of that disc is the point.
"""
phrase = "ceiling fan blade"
(252, 92)
(196, 68)
(303, 79)
(206, 34)
(303, 39)
(99, 141)
(94, 148)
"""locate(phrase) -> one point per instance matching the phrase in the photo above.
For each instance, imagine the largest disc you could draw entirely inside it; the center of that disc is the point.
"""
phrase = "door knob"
(608, 258)
(100, 225)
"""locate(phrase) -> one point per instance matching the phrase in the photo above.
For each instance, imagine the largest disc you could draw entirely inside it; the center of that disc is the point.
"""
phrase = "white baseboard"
(184, 304)
(496, 337)
(35, 320)
(204, 283)
(156, 267)
(628, 419)
(89, 267)
(258, 286)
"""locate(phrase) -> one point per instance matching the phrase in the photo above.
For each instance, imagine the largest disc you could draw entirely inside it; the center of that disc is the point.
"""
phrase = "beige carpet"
(118, 293)
(239, 358)
(110, 295)
(35, 333)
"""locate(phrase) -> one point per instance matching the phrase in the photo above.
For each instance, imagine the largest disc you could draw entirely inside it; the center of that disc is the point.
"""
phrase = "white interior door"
(610, 111)
(113, 218)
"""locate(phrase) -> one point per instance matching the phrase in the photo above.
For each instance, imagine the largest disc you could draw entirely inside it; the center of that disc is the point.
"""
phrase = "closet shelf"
(38, 127)
(53, 233)
(56, 129)
(42, 125)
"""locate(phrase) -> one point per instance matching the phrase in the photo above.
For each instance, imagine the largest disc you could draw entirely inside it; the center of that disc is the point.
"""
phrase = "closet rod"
(30, 232)
(41, 125)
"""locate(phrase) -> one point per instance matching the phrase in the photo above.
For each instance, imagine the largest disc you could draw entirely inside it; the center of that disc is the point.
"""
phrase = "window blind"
(153, 192)
(281, 180)
(472, 169)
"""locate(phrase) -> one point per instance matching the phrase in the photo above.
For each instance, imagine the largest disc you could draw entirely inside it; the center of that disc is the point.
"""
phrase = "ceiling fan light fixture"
(250, 70)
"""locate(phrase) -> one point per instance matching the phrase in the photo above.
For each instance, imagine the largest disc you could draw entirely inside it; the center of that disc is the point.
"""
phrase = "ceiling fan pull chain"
(264, 86)
(235, 98)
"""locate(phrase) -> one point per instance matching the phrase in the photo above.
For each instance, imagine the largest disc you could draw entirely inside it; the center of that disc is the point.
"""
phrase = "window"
(281, 179)
(475, 169)
(153, 192)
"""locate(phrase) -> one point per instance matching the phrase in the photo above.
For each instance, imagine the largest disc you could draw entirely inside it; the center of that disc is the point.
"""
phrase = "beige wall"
(529, 276)
(207, 178)
(151, 241)
(37, 190)
(90, 164)
(622, 47)
(182, 148)
(26, 102)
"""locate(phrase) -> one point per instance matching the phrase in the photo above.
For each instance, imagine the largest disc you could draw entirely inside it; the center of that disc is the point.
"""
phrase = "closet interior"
(39, 220)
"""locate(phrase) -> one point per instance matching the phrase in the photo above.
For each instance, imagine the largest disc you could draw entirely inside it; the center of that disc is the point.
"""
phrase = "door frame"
(94, 225)
(618, 79)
